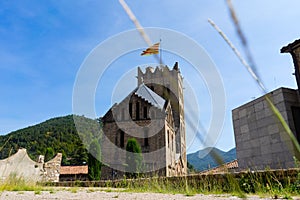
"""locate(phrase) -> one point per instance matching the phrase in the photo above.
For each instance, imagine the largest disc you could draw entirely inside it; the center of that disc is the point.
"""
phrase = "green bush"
(134, 158)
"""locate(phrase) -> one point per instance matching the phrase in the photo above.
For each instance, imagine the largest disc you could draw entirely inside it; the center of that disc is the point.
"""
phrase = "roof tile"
(74, 169)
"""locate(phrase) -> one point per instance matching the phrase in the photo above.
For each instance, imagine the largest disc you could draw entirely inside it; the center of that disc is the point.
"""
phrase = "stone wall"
(284, 178)
(52, 169)
(153, 130)
(261, 141)
(113, 133)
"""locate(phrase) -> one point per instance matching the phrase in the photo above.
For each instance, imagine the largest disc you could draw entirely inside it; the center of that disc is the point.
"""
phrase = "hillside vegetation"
(204, 159)
(60, 135)
(56, 135)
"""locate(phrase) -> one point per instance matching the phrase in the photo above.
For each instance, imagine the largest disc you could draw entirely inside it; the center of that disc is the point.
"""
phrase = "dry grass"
(14, 183)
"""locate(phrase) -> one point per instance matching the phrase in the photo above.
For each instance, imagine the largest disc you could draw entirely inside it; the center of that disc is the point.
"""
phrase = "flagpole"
(160, 60)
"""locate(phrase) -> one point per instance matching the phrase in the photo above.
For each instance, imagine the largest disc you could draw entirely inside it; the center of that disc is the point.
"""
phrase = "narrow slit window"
(137, 111)
(146, 140)
(145, 112)
(130, 109)
(122, 139)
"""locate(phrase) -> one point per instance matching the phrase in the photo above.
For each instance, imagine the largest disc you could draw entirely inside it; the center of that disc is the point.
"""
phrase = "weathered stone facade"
(147, 114)
(21, 165)
(169, 85)
(261, 141)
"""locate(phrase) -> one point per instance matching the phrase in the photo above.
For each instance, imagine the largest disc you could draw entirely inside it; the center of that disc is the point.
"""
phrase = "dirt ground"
(93, 194)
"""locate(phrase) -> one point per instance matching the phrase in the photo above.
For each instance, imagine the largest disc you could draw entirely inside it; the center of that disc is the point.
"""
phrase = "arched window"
(168, 136)
(172, 143)
(130, 109)
(145, 112)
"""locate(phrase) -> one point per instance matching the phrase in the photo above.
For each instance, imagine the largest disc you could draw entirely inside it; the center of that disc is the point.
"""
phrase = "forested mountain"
(56, 135)
(60, 135)
(205, 159)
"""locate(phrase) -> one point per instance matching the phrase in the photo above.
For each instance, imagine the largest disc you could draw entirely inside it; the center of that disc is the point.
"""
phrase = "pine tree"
(49, 154)
(94, 161)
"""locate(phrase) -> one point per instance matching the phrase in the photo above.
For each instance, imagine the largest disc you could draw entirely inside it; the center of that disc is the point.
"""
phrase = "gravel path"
(93, 194)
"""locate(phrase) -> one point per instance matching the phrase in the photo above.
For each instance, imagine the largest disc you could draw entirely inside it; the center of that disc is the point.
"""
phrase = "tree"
(94, 160)
(134, 158)
(80, 156)
(60, 133)
(49, 154)
(191, 168)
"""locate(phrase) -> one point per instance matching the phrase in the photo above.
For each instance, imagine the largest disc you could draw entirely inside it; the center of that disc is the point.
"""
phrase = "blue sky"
(43, 44)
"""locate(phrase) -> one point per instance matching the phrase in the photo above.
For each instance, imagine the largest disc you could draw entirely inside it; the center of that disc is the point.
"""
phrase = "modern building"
(261, 140)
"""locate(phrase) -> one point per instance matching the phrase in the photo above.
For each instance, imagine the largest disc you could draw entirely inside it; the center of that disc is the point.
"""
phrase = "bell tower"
(169, 85)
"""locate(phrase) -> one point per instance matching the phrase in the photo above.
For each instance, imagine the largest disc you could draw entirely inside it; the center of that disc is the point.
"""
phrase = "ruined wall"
(52, 169)
(21, 165)
(261, 141)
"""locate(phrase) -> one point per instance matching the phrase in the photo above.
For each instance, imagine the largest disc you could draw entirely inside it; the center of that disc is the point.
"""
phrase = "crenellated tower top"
(159, 75)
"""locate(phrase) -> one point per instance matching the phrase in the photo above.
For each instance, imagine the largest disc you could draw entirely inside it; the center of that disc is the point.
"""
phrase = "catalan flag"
(154, 49)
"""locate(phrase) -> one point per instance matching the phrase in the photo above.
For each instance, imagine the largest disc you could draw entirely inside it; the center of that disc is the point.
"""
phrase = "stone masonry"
(169, 85)
(158, 99)
(120, 135)
(52, 169)
(261, 141)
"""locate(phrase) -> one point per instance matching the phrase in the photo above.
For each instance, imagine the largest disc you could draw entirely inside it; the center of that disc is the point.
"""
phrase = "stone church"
(153, 114)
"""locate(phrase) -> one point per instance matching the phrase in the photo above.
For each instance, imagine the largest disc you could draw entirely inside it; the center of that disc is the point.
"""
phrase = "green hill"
(204, 159)
(53, 136)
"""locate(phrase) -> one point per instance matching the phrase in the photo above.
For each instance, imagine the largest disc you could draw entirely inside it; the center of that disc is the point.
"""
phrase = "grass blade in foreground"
(284, 124)
(261, 86)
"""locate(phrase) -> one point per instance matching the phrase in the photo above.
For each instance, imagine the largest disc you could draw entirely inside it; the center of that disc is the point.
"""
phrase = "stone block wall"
(52, 169)
(261, 141)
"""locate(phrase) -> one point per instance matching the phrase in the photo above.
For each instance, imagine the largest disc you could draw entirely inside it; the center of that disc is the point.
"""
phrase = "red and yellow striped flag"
(154, 49)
